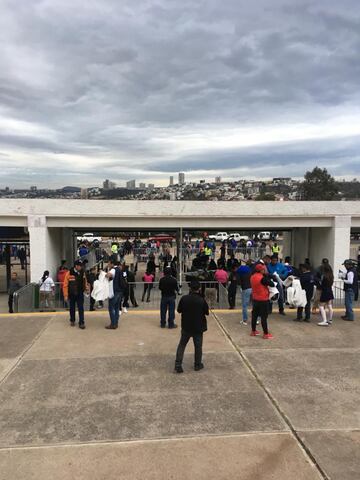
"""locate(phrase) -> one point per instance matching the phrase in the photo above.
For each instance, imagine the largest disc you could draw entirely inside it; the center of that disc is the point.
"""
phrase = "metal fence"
(146, 296)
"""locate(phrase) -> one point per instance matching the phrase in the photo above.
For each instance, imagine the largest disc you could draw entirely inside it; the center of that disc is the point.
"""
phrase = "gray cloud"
(109, 81)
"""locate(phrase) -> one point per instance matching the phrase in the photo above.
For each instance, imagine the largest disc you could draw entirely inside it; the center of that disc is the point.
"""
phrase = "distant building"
(33, 188)
(84, 194)
(217, 180)
(282, 180)
(131, 184)
(108, 185)
(172, 196)
(171, 181)
(202, 182)
(151, 186)
(181, 178)
(142, 185)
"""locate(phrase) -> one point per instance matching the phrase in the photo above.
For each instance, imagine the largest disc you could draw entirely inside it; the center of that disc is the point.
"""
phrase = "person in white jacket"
(47, 290)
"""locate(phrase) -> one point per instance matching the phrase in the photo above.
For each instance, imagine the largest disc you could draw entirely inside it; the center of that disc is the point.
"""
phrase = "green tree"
(319, 185)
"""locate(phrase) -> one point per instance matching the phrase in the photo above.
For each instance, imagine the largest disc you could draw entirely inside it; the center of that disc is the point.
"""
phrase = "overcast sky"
(143, 89)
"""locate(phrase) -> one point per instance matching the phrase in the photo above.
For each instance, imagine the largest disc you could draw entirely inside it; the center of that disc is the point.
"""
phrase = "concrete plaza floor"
(99, 404)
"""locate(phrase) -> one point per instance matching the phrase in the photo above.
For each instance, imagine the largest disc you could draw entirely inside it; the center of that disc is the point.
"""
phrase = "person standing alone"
(168, 287)
(351, 287)
(14, 285)
(260, 283)
(75, 285)
(193, 309)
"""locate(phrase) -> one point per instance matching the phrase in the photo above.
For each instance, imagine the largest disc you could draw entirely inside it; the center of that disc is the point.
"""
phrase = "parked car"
(238, 237)
(89, 237)
(268, 235)
(219, 236)
(162, 238)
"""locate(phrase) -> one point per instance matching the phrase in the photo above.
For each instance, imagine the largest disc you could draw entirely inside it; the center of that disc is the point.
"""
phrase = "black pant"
(198, 341)
(260, 309)
(232, 296)
(79, 301)
(307, 307)
(147, 288)
(92, 304)
(10, 303)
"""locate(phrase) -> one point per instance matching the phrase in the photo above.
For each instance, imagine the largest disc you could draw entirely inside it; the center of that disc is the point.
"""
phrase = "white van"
(219, 237)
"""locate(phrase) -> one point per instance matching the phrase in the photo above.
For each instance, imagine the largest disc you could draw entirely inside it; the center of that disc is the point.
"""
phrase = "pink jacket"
(221, 276)
(148, 278)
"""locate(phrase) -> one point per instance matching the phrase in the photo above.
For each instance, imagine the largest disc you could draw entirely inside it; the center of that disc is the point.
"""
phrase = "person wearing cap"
(168, 287)
(260, 283)
(75, 284)
(193, 309)
(351, 288)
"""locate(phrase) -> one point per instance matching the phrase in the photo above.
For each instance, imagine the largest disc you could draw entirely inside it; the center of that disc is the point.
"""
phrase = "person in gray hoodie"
(14, 285)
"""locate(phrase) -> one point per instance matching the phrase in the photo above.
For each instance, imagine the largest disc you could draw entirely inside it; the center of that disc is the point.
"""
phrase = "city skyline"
(254, 91)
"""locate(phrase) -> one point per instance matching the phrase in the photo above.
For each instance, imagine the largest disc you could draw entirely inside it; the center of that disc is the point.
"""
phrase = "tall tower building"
(171, 181)
(181, 178)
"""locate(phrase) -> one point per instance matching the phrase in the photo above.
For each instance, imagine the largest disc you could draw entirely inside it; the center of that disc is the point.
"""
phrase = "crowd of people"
(262, 283)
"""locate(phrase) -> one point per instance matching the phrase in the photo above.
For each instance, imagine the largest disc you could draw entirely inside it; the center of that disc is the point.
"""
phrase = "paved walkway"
(99, 404)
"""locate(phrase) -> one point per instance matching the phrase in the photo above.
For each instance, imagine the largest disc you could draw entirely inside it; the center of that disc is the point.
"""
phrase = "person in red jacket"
(260, 283)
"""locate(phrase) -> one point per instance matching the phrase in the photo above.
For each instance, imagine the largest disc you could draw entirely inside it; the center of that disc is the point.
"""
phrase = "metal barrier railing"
(146, 296)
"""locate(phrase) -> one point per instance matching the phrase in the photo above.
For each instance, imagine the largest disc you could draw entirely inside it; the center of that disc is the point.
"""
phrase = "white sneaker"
(323, 324)
(124, 310)
(243, 323)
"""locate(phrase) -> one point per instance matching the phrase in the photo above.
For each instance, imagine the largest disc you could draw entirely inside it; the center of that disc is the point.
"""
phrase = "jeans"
(114, 308)
(245, 298)
(165, 304)
(198, 341)
(260, 309)
(349, 300)
(79, 301)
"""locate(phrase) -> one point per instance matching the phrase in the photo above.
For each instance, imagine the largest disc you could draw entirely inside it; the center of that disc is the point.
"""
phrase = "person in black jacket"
(307, 281)
(193, 309)
(168, 287)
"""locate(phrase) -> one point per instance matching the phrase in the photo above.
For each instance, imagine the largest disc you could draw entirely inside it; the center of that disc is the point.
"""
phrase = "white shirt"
(111, 283)
(47, 285)
(349, 278)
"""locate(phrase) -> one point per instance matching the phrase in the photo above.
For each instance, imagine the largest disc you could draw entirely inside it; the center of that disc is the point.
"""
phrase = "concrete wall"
(332, 243)
(48, 246)
(320, 229)
(300, 245)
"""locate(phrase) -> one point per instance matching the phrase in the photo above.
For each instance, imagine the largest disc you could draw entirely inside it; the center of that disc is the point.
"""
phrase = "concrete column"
(300, 243)
(46, 247)
(38, 233)
(287, 245)
(68, 246)
(331, 242)
(341, 233)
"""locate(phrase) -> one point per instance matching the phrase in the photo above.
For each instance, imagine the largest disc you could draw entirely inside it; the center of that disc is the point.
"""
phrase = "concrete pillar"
(331, 242)
(287, 245)
(38, 233)
(300, 242)
(46, 247)
(68, 252)
(341, 233)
